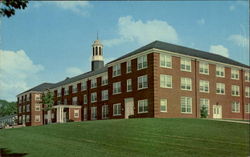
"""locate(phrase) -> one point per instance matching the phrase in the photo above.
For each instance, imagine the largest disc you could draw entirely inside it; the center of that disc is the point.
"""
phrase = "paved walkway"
(233, 121)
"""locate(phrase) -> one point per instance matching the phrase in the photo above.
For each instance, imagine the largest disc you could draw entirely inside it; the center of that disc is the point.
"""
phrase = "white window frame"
(74, 100)
(247, 108)
(204, 68)
(28, 108)
(105, 95)
(93, 83)
(129, 85)
(116, 88)
(144, 104)
(220, 71)
(205, 102)
(104, 80)
(84, 85)
(93, 113)
(37, 107)
(117, 109)
(116, 70)
(142, 62)
(204, 86)
(74, 88)
(142, 82)
(27, 119)
(93, 97)
(186, 105)
(37, 118)
(85, 99)
(128, 66)
(235, 90)
(235, 107)
(163, 103)
(247, 92)
(165, 81)
(235, 74)
(76, 113)
(219, 88)
(165, 61)
(186, 65)
(105, 112)
(247, 76)
(186, 83)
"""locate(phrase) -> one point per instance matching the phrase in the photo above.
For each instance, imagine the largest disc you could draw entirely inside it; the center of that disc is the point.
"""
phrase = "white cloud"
(130, 30)
(17, 72)
(201, 21)
(231, 7)
(73, 71)
(239, 40)
(219, 49)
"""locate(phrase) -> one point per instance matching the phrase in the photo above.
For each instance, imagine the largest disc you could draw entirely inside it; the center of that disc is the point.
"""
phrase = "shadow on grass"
(7, 153)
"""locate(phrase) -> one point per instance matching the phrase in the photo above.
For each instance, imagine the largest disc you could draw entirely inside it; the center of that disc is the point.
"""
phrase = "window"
(76, 113)
(235, 74)
(185, 64)
(93, 113)
(20, 119)
(220, 88)
(28, 108)
(116, 87)
(165, 81)
(105, 111)
(84, 85)
(143, 106)
(66, 92)
(129, 67)
(85, 99)
(93, 97)
(186, 105)
(116, 70)
(247, 108)
(24, 108)
(247, 92)
(205, 103)
(143, 82)
(186, 83)
(235, 90)
(204, 68)
(65, 101)
(38, 97)
(117, 109)
(105, 95)
(74, 88)
(74, 101)
(220, 71)
(165, 61)
(37, 118)
(37, 107)
(204, 86)
(85, 113)
(27, 118)
(104, 80)
(20, 109)
(129, 85)
(236, 107)
(59, 92)
(163, 105)
(247, 76)
(142, 62)
(93, 83)
(23, 119)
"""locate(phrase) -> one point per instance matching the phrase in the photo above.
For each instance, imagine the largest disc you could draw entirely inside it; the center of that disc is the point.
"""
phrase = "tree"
(8, 7)
(7, 108)
(47, 100)
(204, 112)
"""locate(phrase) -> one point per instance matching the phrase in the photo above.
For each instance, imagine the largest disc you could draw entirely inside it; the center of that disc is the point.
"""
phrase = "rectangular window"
(27, 118)
(143, 82)
(220, 71)
(165, 61)
(235, 90)
(28, 108)
(85, 99)
(59, 92)
(74, 100)
(85, 113)
(142, 62)
(93, 83)
(105, 112)
(76, 113)
(65, 101)
(66, 92)
(236, 107)
(74, 88)
(93, 97)
(247, 76)
(220, 88)
(37, 107)
(129, 85)
(117, 109)
(247, 92)
(204, 86)
(117, 88)
(186, 105)
(129, 66)
(186, 83)
(20, 119)
(116, 70)
(37, 118)
(105, 95)
(24, 108)
(185, 64)
(205, 103)
(23, 119)
(84, 85)
(204, 68)
(235, 74)
(247, 108)
(143, 106)
(164, 103)
(20, 109)
(93, 113)
(104, 80)
(165, 81)
(38, 97)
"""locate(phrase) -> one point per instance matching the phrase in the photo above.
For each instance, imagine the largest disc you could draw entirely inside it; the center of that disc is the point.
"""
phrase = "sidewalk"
(233, 121)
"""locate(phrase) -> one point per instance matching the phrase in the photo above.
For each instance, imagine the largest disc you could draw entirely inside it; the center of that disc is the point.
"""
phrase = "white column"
(57, 115)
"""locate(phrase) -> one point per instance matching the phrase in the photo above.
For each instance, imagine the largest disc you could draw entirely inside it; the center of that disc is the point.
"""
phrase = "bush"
(204, 112)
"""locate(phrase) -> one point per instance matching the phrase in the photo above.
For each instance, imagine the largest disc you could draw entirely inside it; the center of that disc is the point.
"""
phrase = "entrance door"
(129, 107)
(217, 111)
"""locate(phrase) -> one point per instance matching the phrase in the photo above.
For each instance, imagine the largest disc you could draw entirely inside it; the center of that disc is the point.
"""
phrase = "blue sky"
(49, 41)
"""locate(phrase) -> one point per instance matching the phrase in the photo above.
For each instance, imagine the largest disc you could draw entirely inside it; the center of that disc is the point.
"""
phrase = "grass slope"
(130, 138)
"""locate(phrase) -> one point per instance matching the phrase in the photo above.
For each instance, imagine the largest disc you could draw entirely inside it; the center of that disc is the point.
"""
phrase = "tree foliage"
(204, 112)
(47, 100)
(7, 108)
(8, 7)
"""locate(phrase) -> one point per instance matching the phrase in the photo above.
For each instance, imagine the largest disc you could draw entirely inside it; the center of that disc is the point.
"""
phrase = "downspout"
(243, 94)
(195, 83)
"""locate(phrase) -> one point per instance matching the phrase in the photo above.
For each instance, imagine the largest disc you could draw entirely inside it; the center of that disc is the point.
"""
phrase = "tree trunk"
(49, 116)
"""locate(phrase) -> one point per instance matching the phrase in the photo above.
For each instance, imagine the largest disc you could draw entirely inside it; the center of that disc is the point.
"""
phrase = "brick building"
(159, 80)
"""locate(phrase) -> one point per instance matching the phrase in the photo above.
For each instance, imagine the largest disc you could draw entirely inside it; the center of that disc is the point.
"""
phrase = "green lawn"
(130, 138)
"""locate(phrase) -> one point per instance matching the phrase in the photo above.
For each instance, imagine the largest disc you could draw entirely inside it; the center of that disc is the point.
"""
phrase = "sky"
(49, 41)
